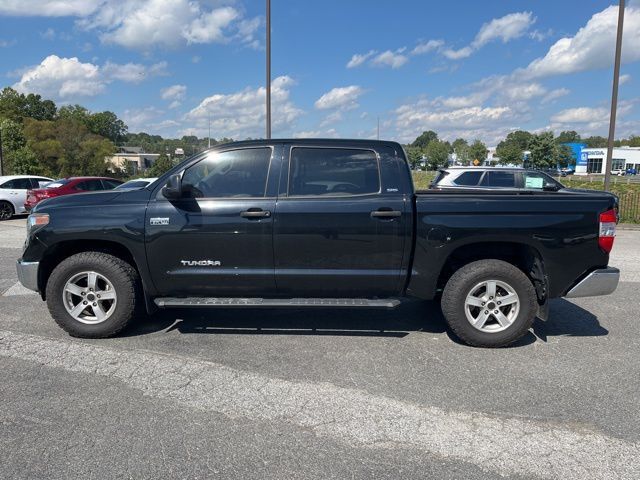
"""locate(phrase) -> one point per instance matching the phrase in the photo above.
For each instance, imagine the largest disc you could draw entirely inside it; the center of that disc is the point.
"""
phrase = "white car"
(13, 193)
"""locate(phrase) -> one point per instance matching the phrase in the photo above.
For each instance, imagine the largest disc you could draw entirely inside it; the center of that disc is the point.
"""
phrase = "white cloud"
(509, 27)
(595, 120)
(506, 28)
(210, 27)
(388, 58)
(359, 59)
(581, 115)
(48, 8)
(457, 54)
(624, 79)
(242, 114)
(138, 118)
(62, 78)
(143, 24)
(555, 94)
(592, 47)
(426, 47)
(132, 72)
(66, 78)
(174, 92)
(330, 133)
(486, 122)
(343, 98)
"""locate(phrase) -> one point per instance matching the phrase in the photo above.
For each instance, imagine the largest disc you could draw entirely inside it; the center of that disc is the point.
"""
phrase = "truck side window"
(235, 173)
(333, 171)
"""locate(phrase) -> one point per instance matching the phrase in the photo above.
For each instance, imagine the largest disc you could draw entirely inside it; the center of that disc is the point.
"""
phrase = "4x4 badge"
(159, 221)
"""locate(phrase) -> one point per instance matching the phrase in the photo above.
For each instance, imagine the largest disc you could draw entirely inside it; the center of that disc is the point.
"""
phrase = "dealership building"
(593, 160)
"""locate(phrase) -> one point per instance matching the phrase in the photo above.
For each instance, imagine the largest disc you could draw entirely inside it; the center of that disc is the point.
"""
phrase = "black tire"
(6, 210)
(122, 276)
(462, 283)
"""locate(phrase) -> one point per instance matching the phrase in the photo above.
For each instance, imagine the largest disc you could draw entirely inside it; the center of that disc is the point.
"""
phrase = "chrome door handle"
(386, 213)
(255, 213)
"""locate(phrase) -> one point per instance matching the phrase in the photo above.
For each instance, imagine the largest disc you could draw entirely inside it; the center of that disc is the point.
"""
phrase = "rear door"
(340, 229)
(218, 239)
(17, 192)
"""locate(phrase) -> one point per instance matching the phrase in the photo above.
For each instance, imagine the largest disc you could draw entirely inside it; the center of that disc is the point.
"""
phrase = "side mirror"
(550, 187)
(173, 188)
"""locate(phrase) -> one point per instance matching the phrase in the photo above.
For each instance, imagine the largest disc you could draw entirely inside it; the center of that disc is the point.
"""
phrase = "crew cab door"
(341, 227)
(217, 240)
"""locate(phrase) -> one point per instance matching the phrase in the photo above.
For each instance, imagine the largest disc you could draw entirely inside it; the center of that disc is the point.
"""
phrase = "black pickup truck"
(315, 223)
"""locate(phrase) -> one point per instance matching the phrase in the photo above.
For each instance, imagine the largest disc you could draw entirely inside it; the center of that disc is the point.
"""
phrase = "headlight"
(36, 221)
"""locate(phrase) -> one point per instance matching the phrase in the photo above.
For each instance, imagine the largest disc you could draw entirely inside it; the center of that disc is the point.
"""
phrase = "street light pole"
(614, 97)
(268, 69)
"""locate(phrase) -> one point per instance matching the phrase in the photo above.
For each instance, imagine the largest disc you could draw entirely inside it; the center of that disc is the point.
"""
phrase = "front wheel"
(489, 303)
(93, 294)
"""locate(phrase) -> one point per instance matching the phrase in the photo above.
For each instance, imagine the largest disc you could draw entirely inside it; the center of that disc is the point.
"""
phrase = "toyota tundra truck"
(315, 223)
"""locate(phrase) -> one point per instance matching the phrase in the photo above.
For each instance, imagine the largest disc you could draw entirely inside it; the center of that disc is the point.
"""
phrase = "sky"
(463, 69)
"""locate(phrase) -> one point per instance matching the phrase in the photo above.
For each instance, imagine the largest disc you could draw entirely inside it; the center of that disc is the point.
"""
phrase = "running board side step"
(275, 302)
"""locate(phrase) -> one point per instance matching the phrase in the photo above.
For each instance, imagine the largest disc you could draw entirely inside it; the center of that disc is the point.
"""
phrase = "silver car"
(494, 178)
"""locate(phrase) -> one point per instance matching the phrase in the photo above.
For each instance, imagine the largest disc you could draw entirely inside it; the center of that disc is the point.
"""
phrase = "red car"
(68, 186)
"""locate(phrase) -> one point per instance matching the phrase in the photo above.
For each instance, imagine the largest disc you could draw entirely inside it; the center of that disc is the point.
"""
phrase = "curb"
(629, 226)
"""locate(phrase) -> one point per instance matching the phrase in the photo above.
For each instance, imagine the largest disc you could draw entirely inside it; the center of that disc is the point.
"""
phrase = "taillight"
(607, 233)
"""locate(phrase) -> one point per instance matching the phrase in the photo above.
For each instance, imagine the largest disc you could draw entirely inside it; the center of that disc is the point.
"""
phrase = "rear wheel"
(6, 210)
(93, 294)
(489, 303)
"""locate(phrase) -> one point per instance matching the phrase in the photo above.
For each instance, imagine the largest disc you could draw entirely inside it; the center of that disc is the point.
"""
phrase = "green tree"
(595, 142)
(75, 112)
(543, 150)
(108, 125)
(509, 154)
(425, 139)
(414, 155)
(11, 104)
(564, 156)
(162, 165)
(478, 151)
(35, 107)
(437, 153)
(461, 148)
(24, 161)
(569, 136)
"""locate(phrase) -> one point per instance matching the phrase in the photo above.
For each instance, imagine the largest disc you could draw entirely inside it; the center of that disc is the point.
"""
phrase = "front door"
(218, 239)
(338, 231)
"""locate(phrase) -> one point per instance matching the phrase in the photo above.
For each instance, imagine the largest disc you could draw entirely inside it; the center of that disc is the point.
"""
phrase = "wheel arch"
(62, 250)
(525, 257)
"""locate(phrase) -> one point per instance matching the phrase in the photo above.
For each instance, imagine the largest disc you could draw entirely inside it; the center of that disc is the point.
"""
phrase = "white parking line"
(508, 446)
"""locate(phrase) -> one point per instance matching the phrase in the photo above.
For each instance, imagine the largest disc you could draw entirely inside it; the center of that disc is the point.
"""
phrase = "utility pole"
(268, 69)
(614, 97)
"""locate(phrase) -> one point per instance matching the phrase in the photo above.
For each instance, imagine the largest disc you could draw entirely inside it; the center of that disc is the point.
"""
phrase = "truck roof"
(311, 141)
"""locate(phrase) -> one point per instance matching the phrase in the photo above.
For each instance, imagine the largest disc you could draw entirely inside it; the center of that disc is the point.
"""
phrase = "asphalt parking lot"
(321, 393)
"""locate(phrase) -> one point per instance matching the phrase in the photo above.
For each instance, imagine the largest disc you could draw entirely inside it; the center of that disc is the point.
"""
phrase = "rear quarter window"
(468, 179)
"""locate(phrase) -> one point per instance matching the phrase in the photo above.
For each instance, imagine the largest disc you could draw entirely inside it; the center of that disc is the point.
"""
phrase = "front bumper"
(28, 274)
(599, 282)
